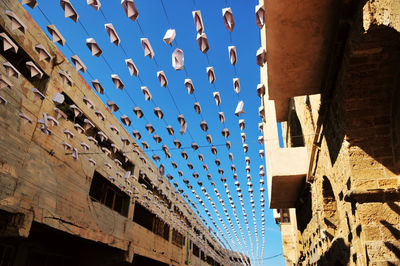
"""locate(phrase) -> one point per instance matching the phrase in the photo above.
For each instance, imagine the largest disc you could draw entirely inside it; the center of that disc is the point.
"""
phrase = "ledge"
(373, 195)
(286, 175)
(298, 39)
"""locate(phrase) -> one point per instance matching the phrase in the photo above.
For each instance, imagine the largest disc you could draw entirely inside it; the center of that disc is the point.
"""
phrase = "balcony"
(297, 37)
(286, 167)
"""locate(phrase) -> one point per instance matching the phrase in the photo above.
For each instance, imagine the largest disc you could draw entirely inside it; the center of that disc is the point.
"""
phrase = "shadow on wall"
(393, 230)
(329, 208)
(367, 97)
(338, 254)
(394, 247)
(304, 208)
(372, 100)
(333, 129)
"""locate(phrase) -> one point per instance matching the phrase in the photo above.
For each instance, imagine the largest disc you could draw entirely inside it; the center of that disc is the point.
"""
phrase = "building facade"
(332, 94)
(75, 188)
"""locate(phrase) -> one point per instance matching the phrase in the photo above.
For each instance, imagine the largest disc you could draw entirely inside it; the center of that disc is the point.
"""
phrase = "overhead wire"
(141, 82)
(85, 30)
(176, 106)
(157, 66)
(111, 68)
(219, 108)
(223, 123)
(238, 98)
(54, 135)
(223, 144)
(125, 51)
(165, 12)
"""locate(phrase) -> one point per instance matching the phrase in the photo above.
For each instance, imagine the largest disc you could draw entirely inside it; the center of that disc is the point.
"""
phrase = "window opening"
(19, 59)
(105, 192)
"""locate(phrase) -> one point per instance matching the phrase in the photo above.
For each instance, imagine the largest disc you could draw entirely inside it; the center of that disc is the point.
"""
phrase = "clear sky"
(154, 23)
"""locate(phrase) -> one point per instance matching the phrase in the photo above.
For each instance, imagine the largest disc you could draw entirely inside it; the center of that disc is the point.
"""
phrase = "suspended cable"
(251, 194)
(165, 12)
(84, 28)
(140, 28)
(194, 4)
(208, 61)
(125, 53)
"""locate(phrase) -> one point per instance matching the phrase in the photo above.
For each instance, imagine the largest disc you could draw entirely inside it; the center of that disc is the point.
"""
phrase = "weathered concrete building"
(332, 82)
(110, 206)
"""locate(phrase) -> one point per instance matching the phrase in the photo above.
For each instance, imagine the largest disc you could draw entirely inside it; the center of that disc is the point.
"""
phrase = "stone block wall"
(349, 214)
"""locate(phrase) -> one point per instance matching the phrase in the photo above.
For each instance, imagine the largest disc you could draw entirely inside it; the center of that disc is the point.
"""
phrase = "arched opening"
(371, 100)
(295, 132)
(304, 208)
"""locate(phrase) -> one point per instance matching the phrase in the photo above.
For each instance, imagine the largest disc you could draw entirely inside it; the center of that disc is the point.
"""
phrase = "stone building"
(332, 81)
(110, 206)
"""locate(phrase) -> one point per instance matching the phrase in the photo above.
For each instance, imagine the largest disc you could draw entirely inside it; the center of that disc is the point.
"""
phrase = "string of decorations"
(75, 153)
(131, 11)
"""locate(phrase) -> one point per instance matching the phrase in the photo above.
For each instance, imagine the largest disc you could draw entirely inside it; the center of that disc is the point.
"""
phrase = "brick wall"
(359, 149)
(371, 104)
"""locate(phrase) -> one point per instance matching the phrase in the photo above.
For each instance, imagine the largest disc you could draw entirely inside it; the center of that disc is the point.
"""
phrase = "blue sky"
(154, 24)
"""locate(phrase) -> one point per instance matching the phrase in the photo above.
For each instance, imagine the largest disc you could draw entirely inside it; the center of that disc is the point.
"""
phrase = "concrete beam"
(298, 39)
(286, 176)
(286, 167)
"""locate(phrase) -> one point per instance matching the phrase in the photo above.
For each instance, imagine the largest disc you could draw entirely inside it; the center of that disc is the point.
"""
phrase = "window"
(220, 254)
(19, 59)
(210, 260)
(158, 226)
(187, 222)
(197, 231)
(210, 245)
(179, 212)
(126, 165)
(109, 194)
(202, 256)
(196, 250)
(281, 216)
(161, 228)
(158, 192)
(143, 216)
(177, 238)
(294, 133)
(143, 179)
(148, 220)
(285, 216)
(70, 113)
(166, 231)
(92, 132)
(65, 107)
